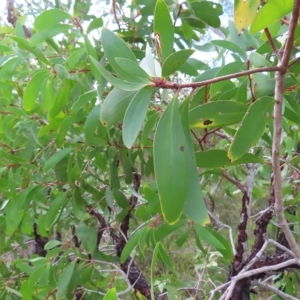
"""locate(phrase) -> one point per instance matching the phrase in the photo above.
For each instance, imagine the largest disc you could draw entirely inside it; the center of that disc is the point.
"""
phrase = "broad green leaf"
(195, 208)
(134, 72)
(47, 95)
(33, 89)
(208, 12)
(252, 128)
(111, 294)
(50, 17)
(130, 245)
(271, 12)
(34, 50)
(135, 115)
(95, 24)
(229, 46)
(52, 244)
(50, 32)
(83, 100)
(206, 236)
(61, 71)
(64, 280)
(175, 61)
(53, 212)
(163, 29)
(55, 158)
(244, 13)
(116, 82)
(216, 158)
(217, 114)
(113, 47)
(172, 163)
(75, 57)
(91, 123)
(114, 106)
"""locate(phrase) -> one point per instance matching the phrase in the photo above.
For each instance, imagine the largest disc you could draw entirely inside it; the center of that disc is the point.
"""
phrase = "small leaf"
(153, 262)
(208, 12)
(244, 13)
(61, 71)
(171, 163)
(33, 89)
(206, 236)
(55, 158)
(113, 47)
(64, 280)
(252, 128)
(163, 27)
(114, 106)
(131, 243)
(95, 24)
(83, 100)
(111, 294)
(52, 244)
(217, 114)
(91, 123)
(116, 82)
(50, 17)
(175, 61)
(271, 12)
(134, 72)
(135, 115)
(53, 212)
(50, 32)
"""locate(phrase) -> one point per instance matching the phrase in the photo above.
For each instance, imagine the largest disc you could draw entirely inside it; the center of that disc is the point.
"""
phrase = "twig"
(275, 291)
(271, 42)
(234, 181)
(279, 89)
(164, 84)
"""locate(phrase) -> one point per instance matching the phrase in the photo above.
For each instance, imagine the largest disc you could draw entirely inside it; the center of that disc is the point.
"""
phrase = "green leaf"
(217, 114)
(116, 82)
(114, 106)
(50, 32)
(135, 115)
(206, 236)
(153, 262)
(61, 71)
(195, 208)
(55, 158)
(33, 89)
(83, 100)
(172, 163)
(91, 123)
(113, 47)
(252, 128)
(130, 245)
(64, 280)
(208, 12)
(53, 212)
(50, 17)
(271, 12)
(216, 158)
(134, 72)
(111, 294)
(95, 24)
(34, 50)
(229, 46)
(163, 28)
(175, 61)
(52, 244)
(244, 13)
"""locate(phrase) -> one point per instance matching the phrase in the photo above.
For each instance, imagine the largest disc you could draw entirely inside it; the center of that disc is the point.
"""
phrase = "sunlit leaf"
(244, 13)
(50, 17)
(111, 295)
(271, 12)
